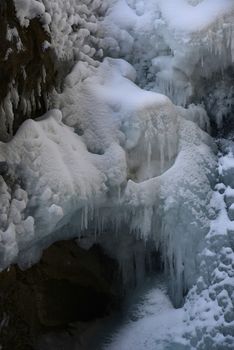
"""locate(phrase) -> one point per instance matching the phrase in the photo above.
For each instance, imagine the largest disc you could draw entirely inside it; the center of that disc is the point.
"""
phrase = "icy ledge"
(120, 157)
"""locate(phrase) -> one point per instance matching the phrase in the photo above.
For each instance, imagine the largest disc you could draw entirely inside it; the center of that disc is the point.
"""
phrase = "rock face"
(68, 285)
(26, 68)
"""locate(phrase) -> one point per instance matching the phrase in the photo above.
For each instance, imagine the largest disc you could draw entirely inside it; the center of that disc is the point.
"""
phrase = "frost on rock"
(75, 28)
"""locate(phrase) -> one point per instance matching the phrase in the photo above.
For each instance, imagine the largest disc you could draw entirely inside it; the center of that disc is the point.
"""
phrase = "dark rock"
(228, 177)
(229, 200)
(68, 285)
(231, 212)
(3, 168)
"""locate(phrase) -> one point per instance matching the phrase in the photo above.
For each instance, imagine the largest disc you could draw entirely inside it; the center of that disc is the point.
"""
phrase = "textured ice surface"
(75, 28)
(209, 307)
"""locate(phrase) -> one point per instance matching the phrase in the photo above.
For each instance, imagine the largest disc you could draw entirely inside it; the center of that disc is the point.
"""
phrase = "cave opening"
(71, 296)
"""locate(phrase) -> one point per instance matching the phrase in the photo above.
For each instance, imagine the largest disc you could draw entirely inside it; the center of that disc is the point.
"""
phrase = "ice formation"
(113, 160)
(130, 154)
(185, 44)
(207, 319)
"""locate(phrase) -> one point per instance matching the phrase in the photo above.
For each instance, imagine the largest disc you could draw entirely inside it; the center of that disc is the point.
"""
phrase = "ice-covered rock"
(209, 304)
(226, 169)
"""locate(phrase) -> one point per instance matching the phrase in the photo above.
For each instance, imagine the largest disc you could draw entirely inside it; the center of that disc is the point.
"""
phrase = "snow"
(182, 16)
(153, 323)
(29, 9)
(123, 14)
(11, 35)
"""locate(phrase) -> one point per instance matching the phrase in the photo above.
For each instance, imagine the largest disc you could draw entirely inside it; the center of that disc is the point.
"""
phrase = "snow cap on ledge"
(29, 9)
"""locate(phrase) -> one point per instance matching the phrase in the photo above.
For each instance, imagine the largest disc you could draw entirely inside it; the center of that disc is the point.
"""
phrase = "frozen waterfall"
(125, 154)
